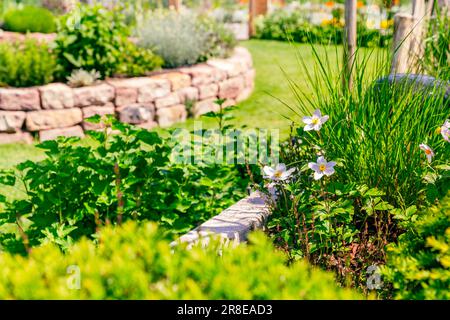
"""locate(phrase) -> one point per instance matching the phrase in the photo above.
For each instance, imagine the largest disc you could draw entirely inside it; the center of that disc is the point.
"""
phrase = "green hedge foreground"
(135, 262)
(419, 265)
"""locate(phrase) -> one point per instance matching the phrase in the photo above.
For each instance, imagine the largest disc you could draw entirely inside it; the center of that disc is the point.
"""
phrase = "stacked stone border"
(160, 99)
(234, 223)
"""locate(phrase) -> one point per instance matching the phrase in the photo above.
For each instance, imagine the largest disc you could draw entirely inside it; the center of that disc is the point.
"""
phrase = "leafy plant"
(184, 38)
(29, 19)
(138, 61)
(25, 64)
(93, 38)
(418, 266)
(117, 177)
(136, 262)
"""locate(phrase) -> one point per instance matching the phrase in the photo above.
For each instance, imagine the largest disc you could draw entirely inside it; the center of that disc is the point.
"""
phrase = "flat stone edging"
(159, 99)
(234, 223)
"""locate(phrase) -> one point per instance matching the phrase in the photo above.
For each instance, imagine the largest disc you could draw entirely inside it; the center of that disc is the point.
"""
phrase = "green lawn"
(262, 110)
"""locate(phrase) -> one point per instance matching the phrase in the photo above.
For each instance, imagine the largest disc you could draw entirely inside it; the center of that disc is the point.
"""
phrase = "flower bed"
(160, 99)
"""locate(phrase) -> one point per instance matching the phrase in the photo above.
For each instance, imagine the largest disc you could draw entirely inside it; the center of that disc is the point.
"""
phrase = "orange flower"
(359, 4)
(329, 4)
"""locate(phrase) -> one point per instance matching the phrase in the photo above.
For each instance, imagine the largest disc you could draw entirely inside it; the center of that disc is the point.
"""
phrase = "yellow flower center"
(322, 167)
(278, 174)
(315, 120)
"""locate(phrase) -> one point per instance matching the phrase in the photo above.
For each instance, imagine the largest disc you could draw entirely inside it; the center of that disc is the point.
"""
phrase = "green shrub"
(115, 177)
(284, 26)
(93, 38)
(134, 262)
(138, 61)
(26, 64)
(184, 38)
(418, 266)
(30, 19)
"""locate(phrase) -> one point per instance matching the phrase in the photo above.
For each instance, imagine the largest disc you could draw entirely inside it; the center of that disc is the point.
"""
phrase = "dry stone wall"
(160, 99)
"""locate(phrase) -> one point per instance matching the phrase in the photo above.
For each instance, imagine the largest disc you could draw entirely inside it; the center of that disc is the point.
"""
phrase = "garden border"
(160, 99)
(234, 223)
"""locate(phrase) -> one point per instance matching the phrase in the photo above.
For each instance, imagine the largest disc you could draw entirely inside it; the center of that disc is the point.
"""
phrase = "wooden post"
(403, 24)
(416, 47)
(255, 9)
(175, 4)
(350, 43)
(408, 38)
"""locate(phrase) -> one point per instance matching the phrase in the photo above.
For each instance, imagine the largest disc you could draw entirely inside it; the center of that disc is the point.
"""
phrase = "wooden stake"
(350, 43)
(255, 8)
(176, 4)
(403, 24)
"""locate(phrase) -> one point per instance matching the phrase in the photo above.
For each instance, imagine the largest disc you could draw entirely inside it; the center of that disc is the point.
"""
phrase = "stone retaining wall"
(160, 99)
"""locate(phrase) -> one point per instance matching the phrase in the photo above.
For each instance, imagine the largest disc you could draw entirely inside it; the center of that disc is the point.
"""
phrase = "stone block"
(96, 95)
(170, 115)
(137, 113)
(11, 121)
(52, 134)
(96, 110)
(231, 88)
(167, 101)
(16, 137)
(56, 96)
(188, 94)
(148, 125)
(231, 68)
(26, 99)
(177, 80)
(208, 91)
(203, 74)
(52, 119)
(205, 106)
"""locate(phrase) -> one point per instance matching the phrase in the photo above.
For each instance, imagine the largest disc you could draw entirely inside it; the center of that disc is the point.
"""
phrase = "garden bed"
(160, 99)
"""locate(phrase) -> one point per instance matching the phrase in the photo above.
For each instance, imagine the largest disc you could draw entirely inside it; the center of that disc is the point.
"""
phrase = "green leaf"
(7, 178)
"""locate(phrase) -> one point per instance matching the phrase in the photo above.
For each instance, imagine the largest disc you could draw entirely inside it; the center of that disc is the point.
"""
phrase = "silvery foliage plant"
(176, 37)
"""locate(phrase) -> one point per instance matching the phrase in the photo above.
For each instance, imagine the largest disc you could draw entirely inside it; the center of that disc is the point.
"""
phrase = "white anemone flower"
(428, 151)
(280, 173)
(322, 167)
(315, 122)
(445, 130)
